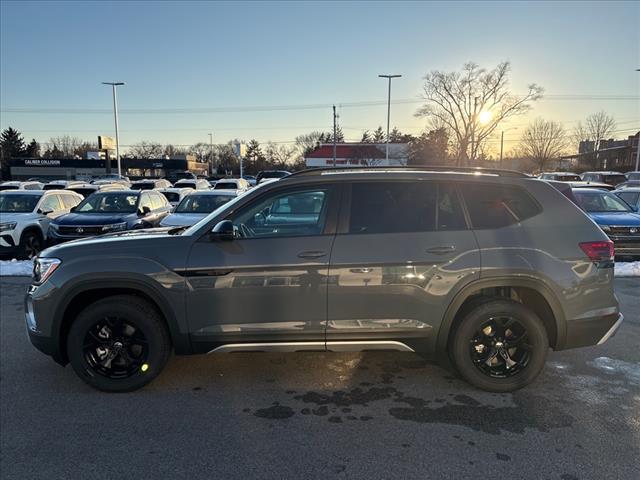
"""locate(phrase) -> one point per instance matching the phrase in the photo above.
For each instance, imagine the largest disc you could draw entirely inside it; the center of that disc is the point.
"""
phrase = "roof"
(28, 192)
(347, 151)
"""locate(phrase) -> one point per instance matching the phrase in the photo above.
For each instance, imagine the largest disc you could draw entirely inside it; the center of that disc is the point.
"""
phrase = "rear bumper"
(592, 331)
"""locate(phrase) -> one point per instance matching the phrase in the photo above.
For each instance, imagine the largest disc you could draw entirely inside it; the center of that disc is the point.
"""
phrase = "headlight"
(7, 226)
(605, 228)
(115, 227)
(43, 268)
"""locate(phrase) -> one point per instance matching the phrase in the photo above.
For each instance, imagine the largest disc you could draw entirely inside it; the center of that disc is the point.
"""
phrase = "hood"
(18, 217)
(182, 219)
(72, 219)
(621, 219)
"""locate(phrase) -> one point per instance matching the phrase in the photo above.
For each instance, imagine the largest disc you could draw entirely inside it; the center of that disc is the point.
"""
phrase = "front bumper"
(40, 339)
(8, 244)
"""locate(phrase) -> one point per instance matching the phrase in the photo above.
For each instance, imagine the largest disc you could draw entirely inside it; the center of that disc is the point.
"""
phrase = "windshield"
(600, 202)
(202, 203)
(568, 178)
(85, 192)
(18, 203)
(614, 179)
(143, 186)
(9, 187)
(226, 186)
(186, 184)
(109, 203)
(53, 186)
(172, 196)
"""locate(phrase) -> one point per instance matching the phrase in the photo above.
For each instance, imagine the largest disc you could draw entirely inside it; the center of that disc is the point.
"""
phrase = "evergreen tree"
(33, 149)
(378, 135)
(12, 143)
(366, 137)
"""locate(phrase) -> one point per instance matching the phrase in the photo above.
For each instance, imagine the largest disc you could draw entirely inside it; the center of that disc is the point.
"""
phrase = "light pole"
(638, 147)
(389, 77)
(211, 154)
(502, 142)
(115, 115)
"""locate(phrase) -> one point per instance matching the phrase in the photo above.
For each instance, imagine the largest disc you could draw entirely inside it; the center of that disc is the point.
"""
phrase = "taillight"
(598, 251)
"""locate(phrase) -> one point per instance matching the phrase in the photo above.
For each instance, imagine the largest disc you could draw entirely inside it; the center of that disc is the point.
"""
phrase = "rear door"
(402, 251)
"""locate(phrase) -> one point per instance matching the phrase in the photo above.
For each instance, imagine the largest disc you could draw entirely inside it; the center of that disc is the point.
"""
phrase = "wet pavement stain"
(276, 412)
(357, 396)
(503, 457)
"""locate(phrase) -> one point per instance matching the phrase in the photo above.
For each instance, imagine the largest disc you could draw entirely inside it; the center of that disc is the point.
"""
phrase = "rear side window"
(400, 207)
(69, 201)
(630, 197)
(496, 206)
(157, 200)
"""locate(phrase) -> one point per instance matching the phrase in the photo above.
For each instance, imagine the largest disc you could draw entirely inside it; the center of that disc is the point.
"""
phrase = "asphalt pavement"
(321, 415)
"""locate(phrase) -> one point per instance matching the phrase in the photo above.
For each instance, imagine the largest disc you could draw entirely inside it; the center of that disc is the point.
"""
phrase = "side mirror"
(44, 212)
(223, 231)
(73, 209)
(144, 211)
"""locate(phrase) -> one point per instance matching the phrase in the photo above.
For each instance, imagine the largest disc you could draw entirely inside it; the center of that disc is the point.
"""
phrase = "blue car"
(615, 217)
(108, 212)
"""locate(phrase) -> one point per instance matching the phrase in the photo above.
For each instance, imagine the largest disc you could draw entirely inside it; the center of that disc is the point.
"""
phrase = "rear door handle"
(441, 250)
(312, 254)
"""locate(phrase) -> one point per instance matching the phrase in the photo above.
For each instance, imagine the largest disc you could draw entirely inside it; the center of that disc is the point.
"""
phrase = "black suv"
(487, 268)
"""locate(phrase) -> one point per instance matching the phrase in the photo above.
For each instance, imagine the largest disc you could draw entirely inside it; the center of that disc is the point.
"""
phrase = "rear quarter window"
(497, 206)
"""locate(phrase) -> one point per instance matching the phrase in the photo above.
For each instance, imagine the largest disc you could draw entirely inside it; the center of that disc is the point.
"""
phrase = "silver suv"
(486, 268)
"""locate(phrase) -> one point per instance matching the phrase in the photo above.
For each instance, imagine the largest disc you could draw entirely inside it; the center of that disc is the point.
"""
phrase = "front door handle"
(312, 254)
(441, 250)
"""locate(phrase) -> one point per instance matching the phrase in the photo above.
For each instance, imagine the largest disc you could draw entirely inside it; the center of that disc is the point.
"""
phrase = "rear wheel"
(500, 346)
(118, 344)
(30, 244)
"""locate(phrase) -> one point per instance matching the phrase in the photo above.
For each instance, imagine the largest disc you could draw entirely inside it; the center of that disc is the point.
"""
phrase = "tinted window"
(630, 197)
(495, 206)
(226, 186)
(53, 186)
(112, 202)
(143, 186)
(600, 202)
(296, 213)
(18, 203)
(195, 203)
(614, 179)
(172, 196)
(187, 184)
(395, 207)
(85, 192)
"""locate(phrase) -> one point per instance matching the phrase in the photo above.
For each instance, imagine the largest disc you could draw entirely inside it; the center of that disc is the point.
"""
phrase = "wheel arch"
(79, 297)
(531, 292)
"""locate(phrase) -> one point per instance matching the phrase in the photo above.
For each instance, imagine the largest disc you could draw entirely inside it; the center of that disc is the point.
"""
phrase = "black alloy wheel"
(31, 245)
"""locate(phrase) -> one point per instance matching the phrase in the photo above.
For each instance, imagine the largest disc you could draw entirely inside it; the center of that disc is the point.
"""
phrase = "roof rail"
(434, 168)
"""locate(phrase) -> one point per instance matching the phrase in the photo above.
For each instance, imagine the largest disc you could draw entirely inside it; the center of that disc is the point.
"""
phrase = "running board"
(346, 346)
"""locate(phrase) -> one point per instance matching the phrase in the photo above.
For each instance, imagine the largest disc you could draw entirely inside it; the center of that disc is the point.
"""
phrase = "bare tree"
(146, 149)
(307, 142)
(542, 141)
(68, 146)
(280, 156)
(171, 150)
(595, 128)
(472, 103)
(202, 151)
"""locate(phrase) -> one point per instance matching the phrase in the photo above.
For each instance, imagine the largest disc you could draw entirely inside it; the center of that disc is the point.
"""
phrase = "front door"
(269, 284)
(402, 251)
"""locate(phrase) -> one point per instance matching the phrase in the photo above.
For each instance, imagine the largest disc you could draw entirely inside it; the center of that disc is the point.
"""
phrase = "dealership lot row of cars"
(34, 214)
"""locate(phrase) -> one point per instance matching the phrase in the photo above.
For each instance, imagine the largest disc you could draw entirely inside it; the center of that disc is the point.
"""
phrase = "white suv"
(25, 216)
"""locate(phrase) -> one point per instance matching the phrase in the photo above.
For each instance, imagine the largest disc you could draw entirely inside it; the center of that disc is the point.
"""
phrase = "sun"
(484, 117)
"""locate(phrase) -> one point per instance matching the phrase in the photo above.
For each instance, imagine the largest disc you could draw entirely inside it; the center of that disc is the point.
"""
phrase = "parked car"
(355, 260)
(107, 212)
(197, 184)
(111, 178)
(633, 175)
(175, 195)
(238, 184)
(611, 178)
(560, 176)
(615, 217)
(150, 184)
(598, 185)
(15, 185)
(631, 196)
(564, 188)
(628, 184)
(178, 175)
(195, 206)
(61, 184)
(264, 174)
(251, 179)
(86, 189)
(25, 216)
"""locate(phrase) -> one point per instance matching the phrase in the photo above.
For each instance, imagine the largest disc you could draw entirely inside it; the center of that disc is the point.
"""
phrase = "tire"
(31, 243)
(133, 323)
(489, 331)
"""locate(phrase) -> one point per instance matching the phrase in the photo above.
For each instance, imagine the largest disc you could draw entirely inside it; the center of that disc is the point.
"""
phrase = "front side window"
(50, 204)
(399, 207)
(145, 201)
(496, 206)
(295, 213)
(630, 197)
(157, 201)
(109, 203)
(18, 203)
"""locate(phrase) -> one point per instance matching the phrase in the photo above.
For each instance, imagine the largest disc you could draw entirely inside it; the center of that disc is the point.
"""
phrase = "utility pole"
(637, 152)
(501, 146)
(334, 135)
(389, 77)
(473, 128)
(211, 154)
(115, 115)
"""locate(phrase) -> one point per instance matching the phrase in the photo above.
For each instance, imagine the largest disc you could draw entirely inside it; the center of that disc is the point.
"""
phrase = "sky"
(237, 56)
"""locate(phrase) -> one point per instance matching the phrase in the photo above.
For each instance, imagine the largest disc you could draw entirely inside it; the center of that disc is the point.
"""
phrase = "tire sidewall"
(151, 327)
(23, 243)
(471, 323)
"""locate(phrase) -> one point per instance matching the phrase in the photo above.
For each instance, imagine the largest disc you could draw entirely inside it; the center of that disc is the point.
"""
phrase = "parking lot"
(316, 415)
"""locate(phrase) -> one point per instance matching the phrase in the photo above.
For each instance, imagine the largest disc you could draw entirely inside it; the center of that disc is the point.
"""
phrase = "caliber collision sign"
(106, 143)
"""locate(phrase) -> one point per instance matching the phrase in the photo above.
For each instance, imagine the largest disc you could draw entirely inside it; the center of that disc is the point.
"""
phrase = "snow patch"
(16, 268)
(610, 365)
(627, 269)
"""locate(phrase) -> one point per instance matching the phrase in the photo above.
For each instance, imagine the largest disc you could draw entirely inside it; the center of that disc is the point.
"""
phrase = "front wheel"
(500, 346)
(30, 244)
(118, 344)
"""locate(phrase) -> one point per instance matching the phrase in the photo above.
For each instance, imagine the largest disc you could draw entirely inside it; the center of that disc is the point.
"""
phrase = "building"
(358, 155)
(618, 155)
(78, 169)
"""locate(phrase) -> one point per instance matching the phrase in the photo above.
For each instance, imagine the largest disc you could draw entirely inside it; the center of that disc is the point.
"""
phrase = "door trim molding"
(333, 346)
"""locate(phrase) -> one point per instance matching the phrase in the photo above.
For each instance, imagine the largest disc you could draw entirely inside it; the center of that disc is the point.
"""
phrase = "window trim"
(345, 206)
